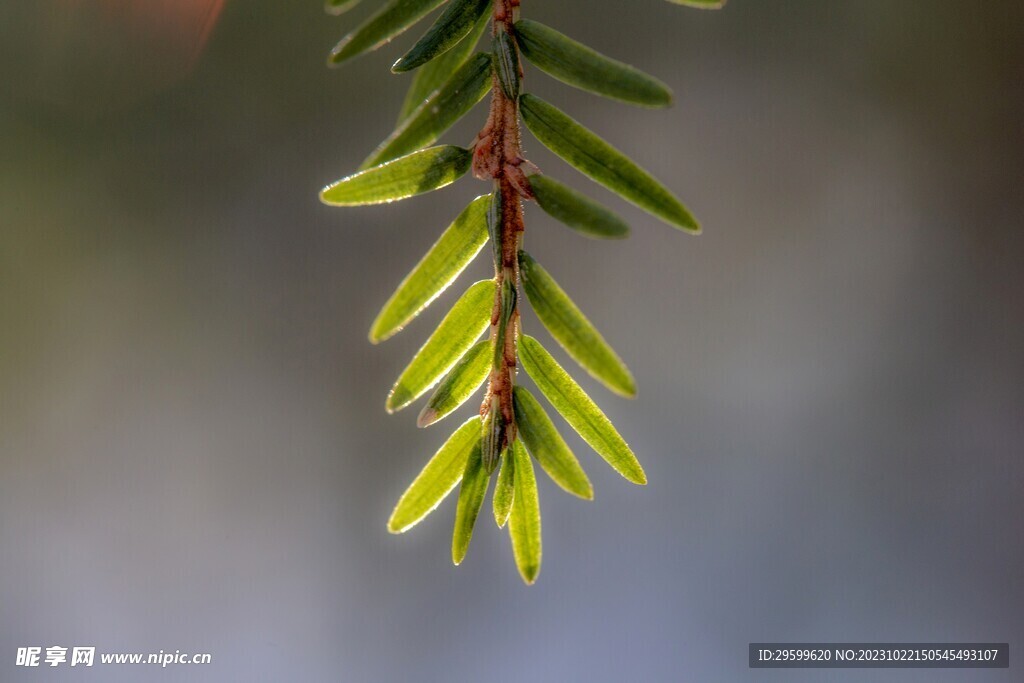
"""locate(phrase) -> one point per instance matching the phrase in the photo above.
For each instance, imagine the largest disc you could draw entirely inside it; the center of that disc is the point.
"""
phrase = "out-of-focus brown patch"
(181, 25)
(96, 56)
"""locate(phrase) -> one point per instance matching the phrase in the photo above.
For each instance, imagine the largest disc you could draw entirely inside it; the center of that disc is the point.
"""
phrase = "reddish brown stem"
(497, 156)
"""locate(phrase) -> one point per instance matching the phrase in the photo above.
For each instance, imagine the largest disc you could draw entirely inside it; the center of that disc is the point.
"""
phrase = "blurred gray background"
(194, 449)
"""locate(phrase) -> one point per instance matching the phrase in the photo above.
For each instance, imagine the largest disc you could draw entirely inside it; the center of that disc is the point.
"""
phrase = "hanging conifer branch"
(449, 79)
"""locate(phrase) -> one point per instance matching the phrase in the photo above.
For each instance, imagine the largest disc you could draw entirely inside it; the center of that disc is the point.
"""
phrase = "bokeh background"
(194, 449)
